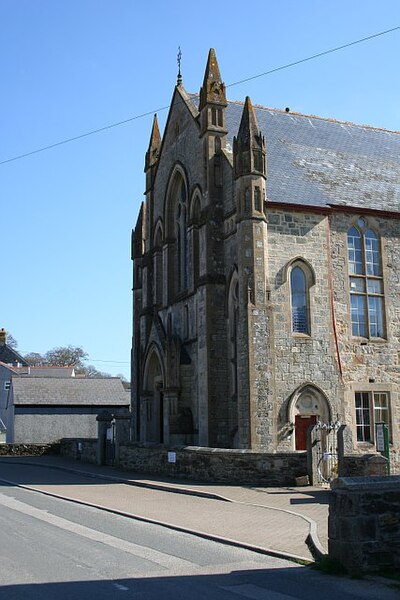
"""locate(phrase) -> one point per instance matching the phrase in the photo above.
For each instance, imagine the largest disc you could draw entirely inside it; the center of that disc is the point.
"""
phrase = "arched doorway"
(308, 406)
(153, 399)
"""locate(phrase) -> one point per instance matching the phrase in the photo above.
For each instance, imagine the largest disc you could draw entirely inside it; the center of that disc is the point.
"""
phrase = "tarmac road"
(55, 549)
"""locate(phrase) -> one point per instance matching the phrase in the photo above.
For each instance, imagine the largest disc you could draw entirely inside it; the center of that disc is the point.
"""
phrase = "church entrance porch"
(152, 422)
(308, 406)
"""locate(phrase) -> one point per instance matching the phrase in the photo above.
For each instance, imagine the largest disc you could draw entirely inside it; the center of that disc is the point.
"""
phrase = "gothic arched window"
(299, 300)
(158, 279)
(181, 236)
(233, 350)
(366, 281)
(195, 221)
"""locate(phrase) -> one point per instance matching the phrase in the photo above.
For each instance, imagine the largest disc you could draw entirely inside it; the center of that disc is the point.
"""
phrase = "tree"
(91, 371)
(34, 359)
(66, 356)
(11, 341)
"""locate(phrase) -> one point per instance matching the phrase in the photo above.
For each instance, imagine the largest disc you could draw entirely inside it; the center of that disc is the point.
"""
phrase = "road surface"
(52, 549)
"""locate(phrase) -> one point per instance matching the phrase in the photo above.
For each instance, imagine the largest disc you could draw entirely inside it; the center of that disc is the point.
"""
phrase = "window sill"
(364, 341)
(301, 336)
(366, 445)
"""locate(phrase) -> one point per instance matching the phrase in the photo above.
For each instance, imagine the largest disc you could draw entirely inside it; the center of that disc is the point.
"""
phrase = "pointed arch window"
(366, 282)
(181, 237)
(299, 300)
(158, 279)
(195, 240)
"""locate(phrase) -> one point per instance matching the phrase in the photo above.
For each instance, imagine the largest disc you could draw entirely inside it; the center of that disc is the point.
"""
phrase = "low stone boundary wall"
(363, 465)
(215, 464)
(193, 462)
(84, 449)
(28, 449)
(364, 523)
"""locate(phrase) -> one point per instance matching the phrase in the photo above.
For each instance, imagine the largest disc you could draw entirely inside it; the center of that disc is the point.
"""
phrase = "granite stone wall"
(363, 465)
(364, 524)
(29, 449)
(216, 464)
(79, 449)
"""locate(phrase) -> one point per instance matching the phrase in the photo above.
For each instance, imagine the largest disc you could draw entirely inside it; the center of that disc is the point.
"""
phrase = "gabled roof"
(69, 391)
(10, 356)
(322, 162)
(13, 370)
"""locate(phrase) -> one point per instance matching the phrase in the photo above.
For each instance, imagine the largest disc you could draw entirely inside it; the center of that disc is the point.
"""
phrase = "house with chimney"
(43, 404)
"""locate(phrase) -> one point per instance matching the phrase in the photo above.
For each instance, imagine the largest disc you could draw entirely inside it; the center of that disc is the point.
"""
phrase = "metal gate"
(324, 452)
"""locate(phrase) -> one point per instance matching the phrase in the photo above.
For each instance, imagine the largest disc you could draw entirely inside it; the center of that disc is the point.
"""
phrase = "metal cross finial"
(178, 60)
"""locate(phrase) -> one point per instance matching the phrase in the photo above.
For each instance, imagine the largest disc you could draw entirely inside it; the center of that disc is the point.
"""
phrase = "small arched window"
(300, 303)
(366, 282)
(247, 201)
(257, 199)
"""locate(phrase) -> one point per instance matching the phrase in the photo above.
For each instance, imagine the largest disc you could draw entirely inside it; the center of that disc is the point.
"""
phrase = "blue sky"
(71, 66)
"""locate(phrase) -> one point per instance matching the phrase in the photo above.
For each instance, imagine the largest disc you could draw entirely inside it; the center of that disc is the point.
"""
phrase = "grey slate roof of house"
(322, 162)
(10, 356)
(45, 371)
(69, 391)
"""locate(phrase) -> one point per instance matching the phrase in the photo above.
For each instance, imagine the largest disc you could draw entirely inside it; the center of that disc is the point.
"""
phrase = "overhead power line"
(92, 360)
(324, 53)
(151, 112)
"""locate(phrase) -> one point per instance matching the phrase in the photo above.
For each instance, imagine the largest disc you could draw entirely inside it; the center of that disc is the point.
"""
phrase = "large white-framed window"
(366, 281)
(371, 408)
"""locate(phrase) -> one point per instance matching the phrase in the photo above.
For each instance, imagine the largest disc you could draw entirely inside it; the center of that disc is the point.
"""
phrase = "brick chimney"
(3, 337)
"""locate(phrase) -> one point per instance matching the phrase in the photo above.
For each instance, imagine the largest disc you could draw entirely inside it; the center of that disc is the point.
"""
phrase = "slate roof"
(10, 356)
(322, 162)
(69, 391)
(47, 371)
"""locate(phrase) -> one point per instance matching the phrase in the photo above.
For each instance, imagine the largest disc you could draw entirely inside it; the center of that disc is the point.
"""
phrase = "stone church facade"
(266, 277)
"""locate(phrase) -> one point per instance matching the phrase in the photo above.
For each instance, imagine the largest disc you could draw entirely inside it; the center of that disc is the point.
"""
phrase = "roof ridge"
(49, 367)
(328, 119)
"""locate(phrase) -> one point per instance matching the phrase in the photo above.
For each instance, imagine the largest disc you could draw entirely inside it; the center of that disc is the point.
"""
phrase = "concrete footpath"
(287, 522)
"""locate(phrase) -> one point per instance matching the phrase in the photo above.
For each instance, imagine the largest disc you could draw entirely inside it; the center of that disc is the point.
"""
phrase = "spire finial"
(213, 89)
(179, 60)
(153, 151)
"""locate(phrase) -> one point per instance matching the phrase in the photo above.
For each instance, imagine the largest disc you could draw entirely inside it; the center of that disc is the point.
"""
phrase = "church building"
(266, 277)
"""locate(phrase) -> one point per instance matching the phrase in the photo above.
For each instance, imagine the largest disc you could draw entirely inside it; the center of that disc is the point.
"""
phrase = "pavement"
(286, 522)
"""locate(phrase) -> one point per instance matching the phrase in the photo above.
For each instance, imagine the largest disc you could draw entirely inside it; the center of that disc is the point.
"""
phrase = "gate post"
(103, 419)
(122, 433)
(312, 460)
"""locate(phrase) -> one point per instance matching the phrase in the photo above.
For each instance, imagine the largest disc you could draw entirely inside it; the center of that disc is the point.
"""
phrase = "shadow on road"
(311, 496)
(275, 584)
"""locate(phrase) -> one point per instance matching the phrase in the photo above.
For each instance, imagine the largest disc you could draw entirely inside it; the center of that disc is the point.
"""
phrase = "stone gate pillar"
(103, 419)
(122, 433)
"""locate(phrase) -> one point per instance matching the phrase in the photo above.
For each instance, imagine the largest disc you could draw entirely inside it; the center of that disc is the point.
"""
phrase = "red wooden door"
(301, 426)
